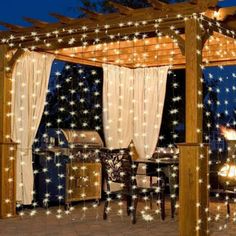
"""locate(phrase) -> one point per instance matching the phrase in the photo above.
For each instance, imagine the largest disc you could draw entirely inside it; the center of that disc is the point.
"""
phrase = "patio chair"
(166, 174)
(118, 168)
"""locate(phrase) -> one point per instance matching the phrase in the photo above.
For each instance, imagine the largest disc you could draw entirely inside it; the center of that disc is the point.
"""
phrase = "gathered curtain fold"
(29, 89)
(133, 101)
(117, 116)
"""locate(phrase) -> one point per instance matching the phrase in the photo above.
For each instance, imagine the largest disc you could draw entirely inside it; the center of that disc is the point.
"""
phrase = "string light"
(214, 48)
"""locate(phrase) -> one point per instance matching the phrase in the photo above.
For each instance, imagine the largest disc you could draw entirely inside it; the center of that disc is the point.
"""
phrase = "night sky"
(12, 11)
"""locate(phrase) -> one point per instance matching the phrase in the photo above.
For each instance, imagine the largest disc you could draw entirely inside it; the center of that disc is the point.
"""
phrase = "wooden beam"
(19, 52)
(205, 36)
(213, 25)
(156, 4)
(4, 92)
(61, 18)
(193, 196)
(193, 171)
(77, 60)
(221, 14)
(138, 15)
(91, 35)
(14, 28)
(180, 40)
(92, 15)
(185, 9)
(205, 4)
(230, 23)
(123, 10)
(159, 58)
(7, 148)
(193, 54)
(36, 23)
(225, 12)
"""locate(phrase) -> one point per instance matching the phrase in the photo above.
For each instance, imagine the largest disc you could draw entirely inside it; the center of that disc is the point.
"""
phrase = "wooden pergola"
(188, 35)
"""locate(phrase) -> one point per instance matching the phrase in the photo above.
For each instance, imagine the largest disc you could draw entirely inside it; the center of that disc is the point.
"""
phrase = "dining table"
(164, 165)
(167, 165)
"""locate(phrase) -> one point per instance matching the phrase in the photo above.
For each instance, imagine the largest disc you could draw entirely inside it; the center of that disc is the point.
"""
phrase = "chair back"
(117, 166)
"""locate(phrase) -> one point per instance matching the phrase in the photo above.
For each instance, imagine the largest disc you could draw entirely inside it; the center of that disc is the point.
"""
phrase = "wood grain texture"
(193, 156)
(7, 180)
(5, 87)
(7, 148)
(218, 50)
(193, 190)
(193, 55)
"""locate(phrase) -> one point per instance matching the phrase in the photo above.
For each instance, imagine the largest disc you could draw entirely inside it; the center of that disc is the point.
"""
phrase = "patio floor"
(92, 223)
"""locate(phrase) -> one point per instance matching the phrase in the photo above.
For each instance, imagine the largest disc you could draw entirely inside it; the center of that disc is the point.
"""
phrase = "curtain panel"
(133, 101)
(30, 84)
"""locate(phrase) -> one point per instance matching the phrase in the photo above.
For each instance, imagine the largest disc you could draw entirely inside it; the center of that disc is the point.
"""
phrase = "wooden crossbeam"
(177, 37)
(230, 22)
(221, 14)
(67, 23)
(205, 36)
(156, 4)
(205, 4)
(92, 35)
(225, 12)
(61, 18)
(35, 22)
(123, 10)
(225, 30)
(194, 2)
(14, 58)
(14, 28)
(141, 14)
(92, 15)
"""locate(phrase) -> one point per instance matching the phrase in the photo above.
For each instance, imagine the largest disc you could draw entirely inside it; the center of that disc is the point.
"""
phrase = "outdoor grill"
(64, 154)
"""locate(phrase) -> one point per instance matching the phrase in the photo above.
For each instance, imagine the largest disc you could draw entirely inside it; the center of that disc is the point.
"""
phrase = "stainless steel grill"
(77, 151)
(74, 138)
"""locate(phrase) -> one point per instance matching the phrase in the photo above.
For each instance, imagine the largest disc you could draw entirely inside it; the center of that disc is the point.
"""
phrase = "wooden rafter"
(149, 13)
(221, 14)
(77, 36)
(92, 15)
(14, 28)
(14, 58)
(61, 18)
(230, 22)
(65, 24)
(156, 4)
(180, 40)
(204, 4)
(205, 36)
(121, 8)
(35, 22)
(145, 53)
(213, 25)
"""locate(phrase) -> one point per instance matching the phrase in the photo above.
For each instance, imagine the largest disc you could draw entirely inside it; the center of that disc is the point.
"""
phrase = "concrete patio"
(92, 224)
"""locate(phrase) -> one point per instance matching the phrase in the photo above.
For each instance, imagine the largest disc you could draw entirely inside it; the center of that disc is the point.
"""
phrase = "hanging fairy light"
(141, 60)
(221, 105)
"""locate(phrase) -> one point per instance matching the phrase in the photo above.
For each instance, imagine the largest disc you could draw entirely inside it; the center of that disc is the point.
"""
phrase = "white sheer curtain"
(136, 98)
(149, 96)
(30, 83)
(117, 106)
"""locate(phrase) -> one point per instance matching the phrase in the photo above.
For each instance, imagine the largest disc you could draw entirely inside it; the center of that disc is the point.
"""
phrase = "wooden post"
(193, 155)
(7, 148)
